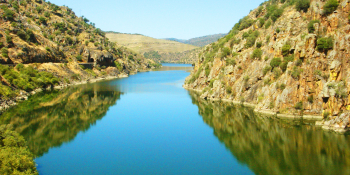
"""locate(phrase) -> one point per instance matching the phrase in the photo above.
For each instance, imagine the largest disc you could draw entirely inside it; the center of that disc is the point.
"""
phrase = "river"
(148, 124)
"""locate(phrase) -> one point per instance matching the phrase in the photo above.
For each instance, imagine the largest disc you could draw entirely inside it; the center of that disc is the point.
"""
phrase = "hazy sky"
(182, 19)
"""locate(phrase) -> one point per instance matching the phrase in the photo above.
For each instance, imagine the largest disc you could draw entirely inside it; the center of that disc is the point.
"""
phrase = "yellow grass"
(142, 44)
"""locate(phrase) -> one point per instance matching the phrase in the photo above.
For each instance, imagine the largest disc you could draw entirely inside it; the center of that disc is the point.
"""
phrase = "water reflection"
(270, 146)
(170, 68)
(49, 119)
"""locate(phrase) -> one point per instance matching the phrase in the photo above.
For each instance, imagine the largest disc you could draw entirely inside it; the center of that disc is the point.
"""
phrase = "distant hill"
(159, 50)
(200, 41)
(142, 44)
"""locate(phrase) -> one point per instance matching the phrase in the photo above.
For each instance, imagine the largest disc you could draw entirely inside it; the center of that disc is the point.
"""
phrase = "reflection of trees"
(48, 120)
(271, 146)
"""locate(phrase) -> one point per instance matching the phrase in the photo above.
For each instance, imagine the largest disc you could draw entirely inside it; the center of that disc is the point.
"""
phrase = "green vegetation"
(5, 52)
(310, 99)
(330, 7)
(152, 55)
(26, 78)
(299, 106)
(324, 44)
(15, 157)
(231, 62)
(296, 72)
(273, 12)
(275, 62)
(302, 5)
(268, 24)
(276, 72)
(266, 69)
(225, 52)
(285, 49)
(257, 53)
(207, 70)
(311, 27)
(251, 38)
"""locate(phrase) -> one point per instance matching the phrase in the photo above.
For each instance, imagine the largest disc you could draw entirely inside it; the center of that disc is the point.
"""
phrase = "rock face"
(283, 67)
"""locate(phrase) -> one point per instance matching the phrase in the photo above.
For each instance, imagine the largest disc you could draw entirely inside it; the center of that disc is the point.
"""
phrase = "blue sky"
(182, 19)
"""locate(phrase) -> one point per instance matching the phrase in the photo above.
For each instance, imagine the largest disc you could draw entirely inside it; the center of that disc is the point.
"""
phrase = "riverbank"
(5, 104)
(318, 119)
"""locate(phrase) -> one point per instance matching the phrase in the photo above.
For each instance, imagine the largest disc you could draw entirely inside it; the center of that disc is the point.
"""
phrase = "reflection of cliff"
(49, 120)
(271, 146)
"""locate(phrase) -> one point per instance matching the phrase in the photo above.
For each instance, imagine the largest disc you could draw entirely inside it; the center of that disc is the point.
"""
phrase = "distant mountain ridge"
(199, 41)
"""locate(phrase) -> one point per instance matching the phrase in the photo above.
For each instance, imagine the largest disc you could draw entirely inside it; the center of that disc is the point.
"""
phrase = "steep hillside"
(47, 43)
(200, 41)
(285, 58)
(155, 49)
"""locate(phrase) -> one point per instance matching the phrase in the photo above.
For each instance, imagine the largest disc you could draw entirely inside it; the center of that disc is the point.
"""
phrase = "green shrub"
(266, 69)
(330, 7)
(324, 44)
(289, 58)
(118, 66)
(79, 58)
(278, 30)
(285, 49)
(302, 5)
(311, 27)
(42, 20)
(283, 66)
(207, 70)
(228, 89)
(211, 84)
(299, 62)
(8, 14)
(258, 44)
(299, 106)
(225, 52)
(296, 73)
(1, 45)
(275, 62)
(231, 62)
(277, 72)
(14, 155)
(257, 53)
(268, 24)
(261, 22)
(310, 99)
(5, 52)
(246, 78)
(131, 57)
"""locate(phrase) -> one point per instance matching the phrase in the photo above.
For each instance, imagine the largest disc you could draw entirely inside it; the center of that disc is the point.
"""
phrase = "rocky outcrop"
(309, 78)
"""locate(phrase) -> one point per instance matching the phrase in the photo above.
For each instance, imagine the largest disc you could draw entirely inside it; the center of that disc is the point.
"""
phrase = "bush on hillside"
(285, 49)
(302, 5)
(275, 62)
(311, 27)
(330, 7)
(225, 52)
(324, 44)
(257, 53)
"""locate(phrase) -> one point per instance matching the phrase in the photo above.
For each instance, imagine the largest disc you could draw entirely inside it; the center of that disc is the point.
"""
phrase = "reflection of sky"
(151, 82)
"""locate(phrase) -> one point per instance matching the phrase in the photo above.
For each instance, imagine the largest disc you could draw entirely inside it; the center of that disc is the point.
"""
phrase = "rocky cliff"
(43, 45)
(288, 58)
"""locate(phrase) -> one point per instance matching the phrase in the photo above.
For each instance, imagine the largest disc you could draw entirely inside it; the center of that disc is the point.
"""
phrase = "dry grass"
(142, 44)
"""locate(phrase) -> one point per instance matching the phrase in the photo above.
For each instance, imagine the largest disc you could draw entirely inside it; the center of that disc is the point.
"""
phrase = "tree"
(330, 7)
(302, 5)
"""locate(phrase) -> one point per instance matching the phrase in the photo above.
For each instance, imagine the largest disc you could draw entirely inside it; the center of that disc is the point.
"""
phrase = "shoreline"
(7, 104)
(319, 122)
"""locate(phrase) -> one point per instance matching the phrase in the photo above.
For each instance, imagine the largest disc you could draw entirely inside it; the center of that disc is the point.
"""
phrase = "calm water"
(149, 124)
